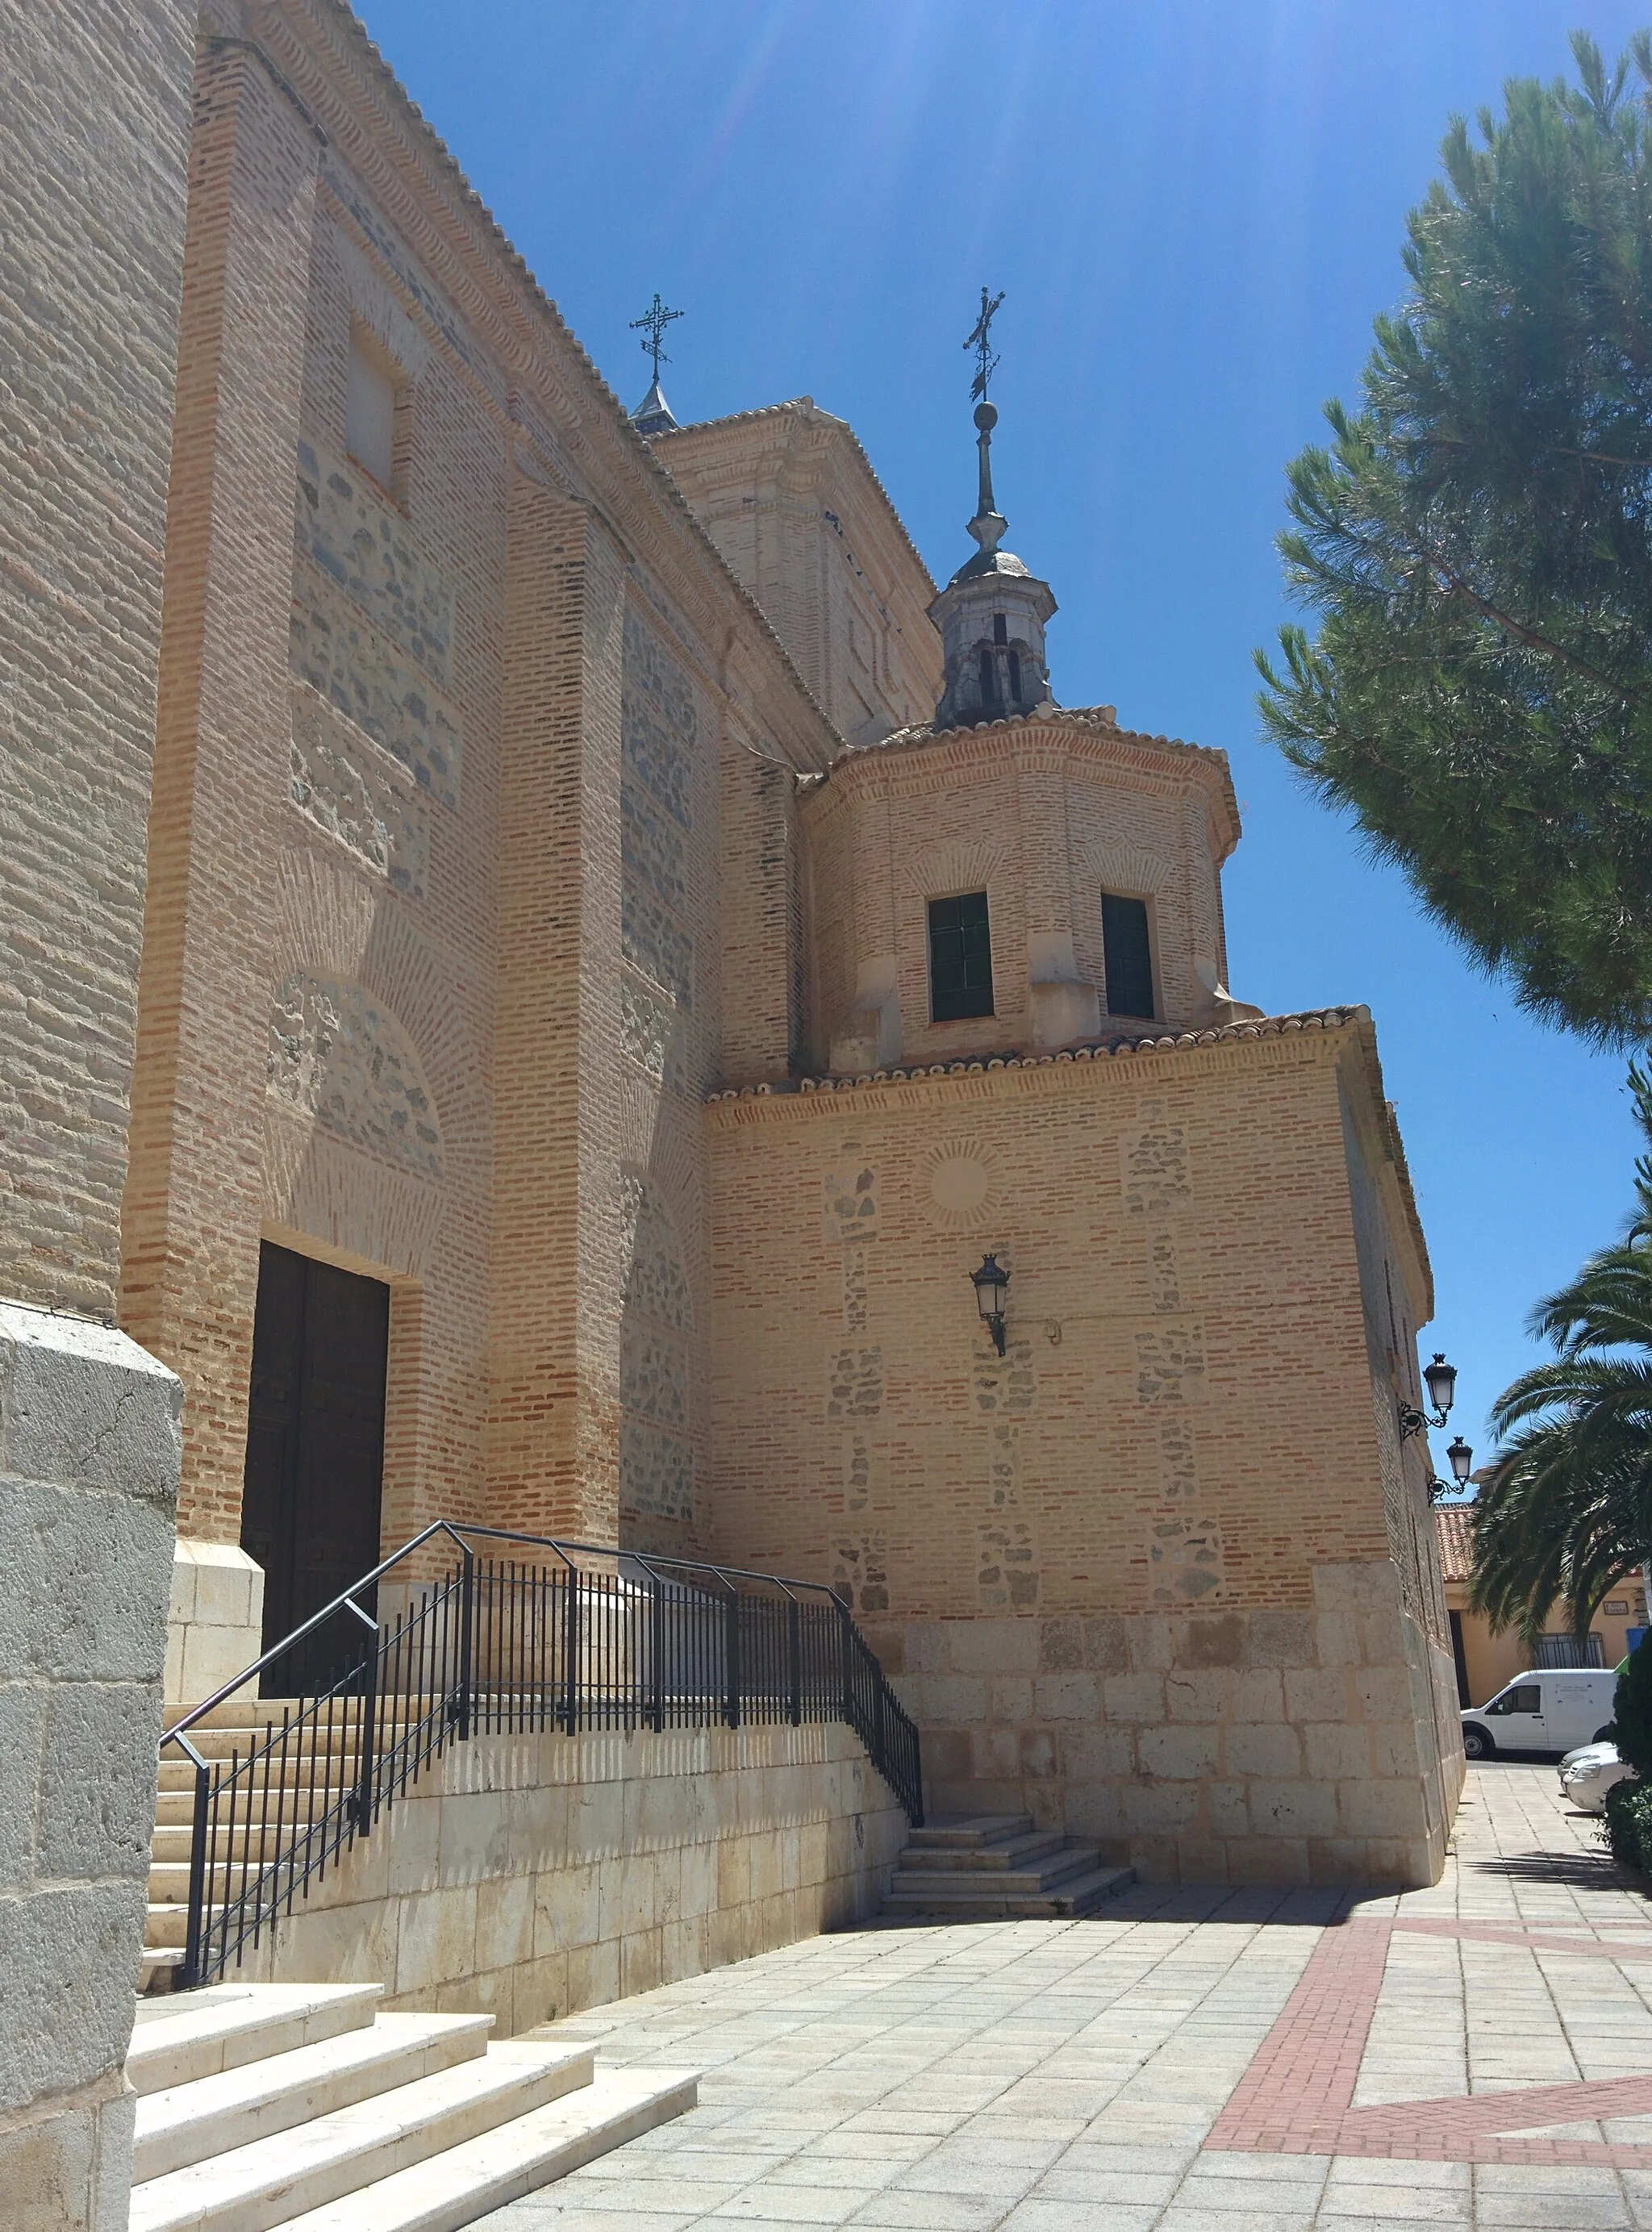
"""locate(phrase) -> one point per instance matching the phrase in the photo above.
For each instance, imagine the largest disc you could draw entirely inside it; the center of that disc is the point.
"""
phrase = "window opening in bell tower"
(1127, 956)
(960, 958)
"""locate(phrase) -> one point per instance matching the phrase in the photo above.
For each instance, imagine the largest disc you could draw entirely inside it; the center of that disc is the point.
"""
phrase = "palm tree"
(1565, 1508)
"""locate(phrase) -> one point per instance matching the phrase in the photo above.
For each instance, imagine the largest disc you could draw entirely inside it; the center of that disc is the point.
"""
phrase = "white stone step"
(1009, 1852)
(200, 2033)
(981, 1899)
(338, 1768)
(276, 2179)
(454, 2189)
(1061, 1861)
(157, 1966)
(215, 2115)
(175, 1802)
(966, 1832)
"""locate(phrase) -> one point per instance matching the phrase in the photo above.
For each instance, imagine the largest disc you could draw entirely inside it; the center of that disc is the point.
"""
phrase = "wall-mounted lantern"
(1440, 1380)
(991, 1284)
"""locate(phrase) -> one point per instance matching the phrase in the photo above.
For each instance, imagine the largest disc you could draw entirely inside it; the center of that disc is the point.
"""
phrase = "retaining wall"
(534, 1876)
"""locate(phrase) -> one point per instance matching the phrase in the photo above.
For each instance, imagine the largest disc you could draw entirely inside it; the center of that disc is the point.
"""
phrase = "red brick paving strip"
(1297, 2096)
(1300, 2082)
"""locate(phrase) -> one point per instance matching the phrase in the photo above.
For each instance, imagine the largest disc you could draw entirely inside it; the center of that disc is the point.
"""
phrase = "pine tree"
(1477, 544)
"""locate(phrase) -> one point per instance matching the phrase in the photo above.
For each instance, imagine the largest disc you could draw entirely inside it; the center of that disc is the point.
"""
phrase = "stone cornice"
(915, 760)
(374, 130)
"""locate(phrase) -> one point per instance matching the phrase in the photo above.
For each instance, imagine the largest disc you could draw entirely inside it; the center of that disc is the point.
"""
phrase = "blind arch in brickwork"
(338, 1056)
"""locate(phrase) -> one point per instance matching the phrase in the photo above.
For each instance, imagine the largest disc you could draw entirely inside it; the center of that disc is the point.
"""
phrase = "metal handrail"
(495, 1645)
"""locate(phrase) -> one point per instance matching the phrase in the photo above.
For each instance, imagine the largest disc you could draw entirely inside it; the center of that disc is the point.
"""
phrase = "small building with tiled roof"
(1486, 1662)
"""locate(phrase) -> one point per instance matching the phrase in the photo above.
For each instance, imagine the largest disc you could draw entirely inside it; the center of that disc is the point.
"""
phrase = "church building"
(655, 1026)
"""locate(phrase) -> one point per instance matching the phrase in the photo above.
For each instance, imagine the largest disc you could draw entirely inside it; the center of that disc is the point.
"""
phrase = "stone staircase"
(300, 2108)
(284, 1803)
(996, 1867)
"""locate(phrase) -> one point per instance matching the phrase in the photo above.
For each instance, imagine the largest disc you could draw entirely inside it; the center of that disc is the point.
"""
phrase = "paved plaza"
(1193, 2060)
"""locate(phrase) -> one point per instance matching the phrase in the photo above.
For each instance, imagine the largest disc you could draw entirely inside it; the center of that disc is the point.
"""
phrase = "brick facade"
(432, 973)
(95, 121)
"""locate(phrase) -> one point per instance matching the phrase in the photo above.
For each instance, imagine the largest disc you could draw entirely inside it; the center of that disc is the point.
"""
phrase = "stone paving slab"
(1190, 2060)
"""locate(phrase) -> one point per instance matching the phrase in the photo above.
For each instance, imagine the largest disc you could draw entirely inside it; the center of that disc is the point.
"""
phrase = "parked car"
(1586, 1775)
(1553, 1710)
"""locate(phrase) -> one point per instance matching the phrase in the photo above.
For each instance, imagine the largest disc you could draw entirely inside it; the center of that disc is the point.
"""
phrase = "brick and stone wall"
(1044, 814)
(1144, 1576)
(94, 131)
(432, 979)
(791, 501)
(95, 125)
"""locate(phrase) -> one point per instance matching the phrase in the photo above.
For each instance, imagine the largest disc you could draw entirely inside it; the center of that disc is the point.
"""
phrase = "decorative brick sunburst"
(959, 1188)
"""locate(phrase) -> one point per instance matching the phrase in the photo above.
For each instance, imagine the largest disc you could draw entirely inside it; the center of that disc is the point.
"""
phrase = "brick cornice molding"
(1274, 1042)
(1082, 745)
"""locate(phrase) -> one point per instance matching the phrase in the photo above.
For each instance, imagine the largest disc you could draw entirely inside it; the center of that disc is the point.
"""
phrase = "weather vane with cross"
(980, 341)
(653, 322)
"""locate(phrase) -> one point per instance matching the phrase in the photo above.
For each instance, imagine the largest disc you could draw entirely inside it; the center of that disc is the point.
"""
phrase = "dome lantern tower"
(992, 613)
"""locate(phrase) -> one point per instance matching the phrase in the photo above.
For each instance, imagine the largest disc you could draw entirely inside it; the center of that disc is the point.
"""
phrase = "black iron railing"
(468, 1631)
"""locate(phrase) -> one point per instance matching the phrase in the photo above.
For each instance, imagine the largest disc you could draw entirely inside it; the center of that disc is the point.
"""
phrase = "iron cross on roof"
(986, 362)
(653, 322)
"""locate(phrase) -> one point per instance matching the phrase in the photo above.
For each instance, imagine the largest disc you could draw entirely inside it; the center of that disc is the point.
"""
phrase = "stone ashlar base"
(531, 1876)
(1312, 1745)
(69, 2162)
(215, 1622)
(89, 1451)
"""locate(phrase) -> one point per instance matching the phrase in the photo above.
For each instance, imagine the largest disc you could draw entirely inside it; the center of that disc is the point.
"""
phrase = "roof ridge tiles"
(1264, 1026)
(1073, 716)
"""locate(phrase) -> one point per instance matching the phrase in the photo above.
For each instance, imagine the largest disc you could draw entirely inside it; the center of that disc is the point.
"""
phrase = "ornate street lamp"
(1441, 1379)
(991, 1284)
(1461, 1458)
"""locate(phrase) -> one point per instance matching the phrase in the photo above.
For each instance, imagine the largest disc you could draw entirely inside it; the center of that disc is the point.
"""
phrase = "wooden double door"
(315, 1451)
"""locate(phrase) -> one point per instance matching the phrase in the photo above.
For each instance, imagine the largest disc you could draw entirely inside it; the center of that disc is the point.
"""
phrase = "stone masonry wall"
(1240, 1747)
(89, 1480)
(531, 1876)
(93, 126)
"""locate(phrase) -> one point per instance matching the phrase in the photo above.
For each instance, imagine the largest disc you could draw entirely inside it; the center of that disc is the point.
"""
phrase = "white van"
(1553, 1711)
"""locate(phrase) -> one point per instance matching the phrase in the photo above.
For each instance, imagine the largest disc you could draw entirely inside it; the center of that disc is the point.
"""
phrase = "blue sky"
(1195, 210)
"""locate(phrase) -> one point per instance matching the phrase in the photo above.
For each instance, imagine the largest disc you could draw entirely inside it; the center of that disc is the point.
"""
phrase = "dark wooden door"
(315, 1449)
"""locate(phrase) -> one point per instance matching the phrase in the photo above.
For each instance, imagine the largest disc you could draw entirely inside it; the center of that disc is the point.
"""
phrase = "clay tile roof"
(1261, 1026)
(1456, 1541)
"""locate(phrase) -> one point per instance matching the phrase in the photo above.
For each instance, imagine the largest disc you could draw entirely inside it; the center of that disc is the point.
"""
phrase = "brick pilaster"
(191, 1215)
(552, 1443)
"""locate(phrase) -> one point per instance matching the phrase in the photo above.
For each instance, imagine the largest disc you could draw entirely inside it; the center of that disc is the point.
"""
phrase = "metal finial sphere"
(985, 416)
